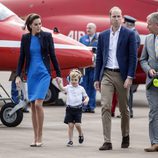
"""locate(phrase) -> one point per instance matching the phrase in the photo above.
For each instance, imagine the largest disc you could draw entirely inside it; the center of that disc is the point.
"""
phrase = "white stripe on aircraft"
(16, 44)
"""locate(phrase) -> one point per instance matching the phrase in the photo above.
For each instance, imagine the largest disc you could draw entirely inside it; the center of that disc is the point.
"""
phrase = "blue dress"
(38, 79)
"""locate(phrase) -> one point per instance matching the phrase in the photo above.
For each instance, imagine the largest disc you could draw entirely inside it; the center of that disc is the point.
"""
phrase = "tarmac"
(14, 142)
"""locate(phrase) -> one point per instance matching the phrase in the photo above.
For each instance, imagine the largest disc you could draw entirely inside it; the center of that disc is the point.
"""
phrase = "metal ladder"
(8, 98)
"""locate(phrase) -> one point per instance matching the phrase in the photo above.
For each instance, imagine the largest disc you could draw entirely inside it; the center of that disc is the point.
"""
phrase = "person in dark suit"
(148, 61)
(36, 50)
(115, 69)
(129, 22)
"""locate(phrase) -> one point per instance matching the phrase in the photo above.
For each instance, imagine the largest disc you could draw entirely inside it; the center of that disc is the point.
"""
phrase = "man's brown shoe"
(153, 148)
(106, 146)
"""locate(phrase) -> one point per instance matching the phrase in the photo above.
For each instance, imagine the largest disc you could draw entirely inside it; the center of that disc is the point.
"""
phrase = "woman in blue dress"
(36, 51)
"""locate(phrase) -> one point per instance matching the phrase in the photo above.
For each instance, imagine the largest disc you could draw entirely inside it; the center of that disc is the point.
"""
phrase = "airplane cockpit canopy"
(5, 12)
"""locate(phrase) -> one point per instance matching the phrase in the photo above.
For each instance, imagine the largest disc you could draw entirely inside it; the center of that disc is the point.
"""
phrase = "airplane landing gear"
(11, 114)
(10, 118)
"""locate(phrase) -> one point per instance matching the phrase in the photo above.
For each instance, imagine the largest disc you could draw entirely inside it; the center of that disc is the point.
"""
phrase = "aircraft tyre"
(10, 121)
(52, 94)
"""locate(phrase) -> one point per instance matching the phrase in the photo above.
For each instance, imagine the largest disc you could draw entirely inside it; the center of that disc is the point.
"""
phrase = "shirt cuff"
(130, 77)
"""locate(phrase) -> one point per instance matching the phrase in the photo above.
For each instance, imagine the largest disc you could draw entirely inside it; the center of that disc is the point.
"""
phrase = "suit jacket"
(138, 41)
(148, 58)
(47, 49)
(126, 53)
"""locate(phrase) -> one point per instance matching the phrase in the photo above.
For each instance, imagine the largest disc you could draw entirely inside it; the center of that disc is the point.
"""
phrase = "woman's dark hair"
(29, 20)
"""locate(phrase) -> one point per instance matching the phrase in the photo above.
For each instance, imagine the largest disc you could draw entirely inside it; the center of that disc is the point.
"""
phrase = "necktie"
(156, 46)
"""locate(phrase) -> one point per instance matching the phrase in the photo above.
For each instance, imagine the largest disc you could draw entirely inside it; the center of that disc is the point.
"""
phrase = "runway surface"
(14, 142)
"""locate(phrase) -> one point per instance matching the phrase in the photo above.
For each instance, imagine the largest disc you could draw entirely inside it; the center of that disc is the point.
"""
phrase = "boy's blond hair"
(75, 73)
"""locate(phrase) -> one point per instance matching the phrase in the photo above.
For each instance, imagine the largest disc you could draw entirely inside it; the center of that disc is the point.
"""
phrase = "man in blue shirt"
(90, 40)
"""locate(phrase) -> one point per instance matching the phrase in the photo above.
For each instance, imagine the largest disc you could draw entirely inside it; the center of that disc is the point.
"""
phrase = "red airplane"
(70, 53)
(72, 16)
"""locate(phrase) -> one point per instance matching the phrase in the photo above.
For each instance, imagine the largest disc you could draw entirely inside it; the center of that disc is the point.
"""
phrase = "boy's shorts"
(73, 115)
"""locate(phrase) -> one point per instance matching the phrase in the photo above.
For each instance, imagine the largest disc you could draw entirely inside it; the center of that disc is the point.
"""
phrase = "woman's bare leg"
(34, 122)
(40, 119)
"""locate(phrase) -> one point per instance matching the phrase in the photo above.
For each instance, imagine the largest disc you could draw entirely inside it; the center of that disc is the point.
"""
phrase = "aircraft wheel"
(52, 94)
(11, 121)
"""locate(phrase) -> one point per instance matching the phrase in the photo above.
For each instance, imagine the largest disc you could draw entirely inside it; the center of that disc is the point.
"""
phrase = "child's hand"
(85, 102)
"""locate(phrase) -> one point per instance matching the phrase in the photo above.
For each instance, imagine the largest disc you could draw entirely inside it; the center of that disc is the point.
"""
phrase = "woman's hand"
(59, 80)
(60, 83)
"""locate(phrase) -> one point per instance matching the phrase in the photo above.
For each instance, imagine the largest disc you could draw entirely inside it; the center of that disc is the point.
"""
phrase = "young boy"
(76, 96)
